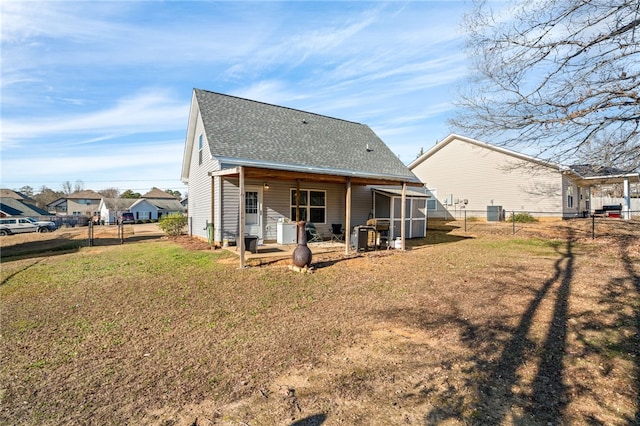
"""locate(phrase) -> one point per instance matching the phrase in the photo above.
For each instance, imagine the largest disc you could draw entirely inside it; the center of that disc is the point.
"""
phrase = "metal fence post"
(513, 222)
(465, 221)
(593, 227)
(90, 232)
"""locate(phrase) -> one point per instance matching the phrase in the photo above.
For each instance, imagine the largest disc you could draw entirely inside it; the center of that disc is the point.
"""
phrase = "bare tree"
(561, 77)
(27, 190)
(67, 187)
(78, 186)
(46, 196)
(110, 192)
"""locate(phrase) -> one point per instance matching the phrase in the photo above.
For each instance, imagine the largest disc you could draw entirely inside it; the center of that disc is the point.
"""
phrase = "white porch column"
(626, 208)
(403, 215)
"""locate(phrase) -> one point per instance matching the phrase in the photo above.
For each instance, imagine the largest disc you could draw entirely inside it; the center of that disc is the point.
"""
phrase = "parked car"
(16, 225)
(126, 217)
(43, 225)
(19, 225)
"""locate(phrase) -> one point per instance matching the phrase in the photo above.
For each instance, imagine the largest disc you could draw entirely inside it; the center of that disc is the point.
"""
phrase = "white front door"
(253, 211)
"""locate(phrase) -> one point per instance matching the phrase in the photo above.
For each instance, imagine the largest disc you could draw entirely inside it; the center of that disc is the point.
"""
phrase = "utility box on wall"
(494, 213)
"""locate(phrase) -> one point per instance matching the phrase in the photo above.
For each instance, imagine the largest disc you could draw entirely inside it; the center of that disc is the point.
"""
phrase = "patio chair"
(337, 232)
(312, 233)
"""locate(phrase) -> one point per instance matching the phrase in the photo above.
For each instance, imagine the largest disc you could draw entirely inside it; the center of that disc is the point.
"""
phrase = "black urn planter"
(302, 254)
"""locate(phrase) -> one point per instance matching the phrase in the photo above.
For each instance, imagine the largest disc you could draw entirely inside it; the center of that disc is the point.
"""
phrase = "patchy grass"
(463, 328)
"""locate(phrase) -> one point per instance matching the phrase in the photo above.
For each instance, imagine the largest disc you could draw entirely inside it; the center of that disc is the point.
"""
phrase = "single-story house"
(151, 206)
(469, 177)
(162, 204)
(110, 208)
(250, 165)
(15, 203)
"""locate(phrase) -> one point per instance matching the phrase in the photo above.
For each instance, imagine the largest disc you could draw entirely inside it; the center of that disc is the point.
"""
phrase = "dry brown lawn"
(540, 327)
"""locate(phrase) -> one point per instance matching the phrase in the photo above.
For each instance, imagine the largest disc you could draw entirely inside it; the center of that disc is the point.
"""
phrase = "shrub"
(173, 224)
(522, 218)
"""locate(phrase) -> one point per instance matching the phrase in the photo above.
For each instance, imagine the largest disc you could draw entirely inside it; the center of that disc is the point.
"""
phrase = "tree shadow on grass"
(315, 420)
(499, 351)
(620, 293)
(496, 395)
(633, 273)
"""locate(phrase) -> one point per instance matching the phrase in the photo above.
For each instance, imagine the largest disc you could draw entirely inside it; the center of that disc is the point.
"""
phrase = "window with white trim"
(200, 150)
(313, 205)
(570, 196)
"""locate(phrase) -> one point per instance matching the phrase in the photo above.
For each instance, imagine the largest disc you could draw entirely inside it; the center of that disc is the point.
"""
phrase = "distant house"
(250, 166)
(110, 208)
(81, 203)
(162, 204)
(151, 206)
(14, 203)
(466, 175)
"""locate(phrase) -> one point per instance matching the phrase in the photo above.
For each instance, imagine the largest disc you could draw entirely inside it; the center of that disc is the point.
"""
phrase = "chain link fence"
(532, 224)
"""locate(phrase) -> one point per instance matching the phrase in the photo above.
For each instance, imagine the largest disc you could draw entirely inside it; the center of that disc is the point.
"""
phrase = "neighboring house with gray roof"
(151, 206)
(13, 207)
(80, 203)
(467, 176)
(110, 208)
(14, 203)
(157, 203)
(271, 154)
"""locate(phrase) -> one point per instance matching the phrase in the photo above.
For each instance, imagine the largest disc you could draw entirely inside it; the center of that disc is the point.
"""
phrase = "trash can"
(251, 243)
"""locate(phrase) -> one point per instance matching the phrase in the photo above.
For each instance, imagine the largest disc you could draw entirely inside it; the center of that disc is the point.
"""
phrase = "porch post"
(213, 211)
(240, 243)
(347, 224)
(626, 209)
(403, 214)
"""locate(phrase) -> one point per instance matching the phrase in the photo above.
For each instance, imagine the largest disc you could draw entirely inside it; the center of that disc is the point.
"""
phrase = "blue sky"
(99, 91)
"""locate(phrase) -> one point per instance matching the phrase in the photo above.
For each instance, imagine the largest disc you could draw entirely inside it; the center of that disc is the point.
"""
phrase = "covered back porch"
(253, 200)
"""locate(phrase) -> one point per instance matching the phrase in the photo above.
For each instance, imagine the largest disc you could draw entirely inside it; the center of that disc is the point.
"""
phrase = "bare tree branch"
(561, 77)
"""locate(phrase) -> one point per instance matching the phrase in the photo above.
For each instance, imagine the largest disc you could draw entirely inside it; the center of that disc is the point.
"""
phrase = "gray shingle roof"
(590, 170)
(158, 193)
(166, 204)
(243, 129)
(23, 208)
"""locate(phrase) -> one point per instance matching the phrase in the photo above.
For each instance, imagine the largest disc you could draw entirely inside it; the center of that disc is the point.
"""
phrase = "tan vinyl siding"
(361, 204)
(231, 211)
(483, 176)
(276, 205)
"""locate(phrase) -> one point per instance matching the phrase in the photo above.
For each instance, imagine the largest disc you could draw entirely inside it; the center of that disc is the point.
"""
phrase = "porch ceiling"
(258, 173)
(606, 180)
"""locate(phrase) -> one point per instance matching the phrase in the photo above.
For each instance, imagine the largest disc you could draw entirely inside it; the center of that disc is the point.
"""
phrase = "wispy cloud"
(95, 76)
(147, 112)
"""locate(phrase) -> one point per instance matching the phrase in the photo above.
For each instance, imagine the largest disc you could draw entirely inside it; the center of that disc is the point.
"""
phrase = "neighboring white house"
(151, 206)
(466, 176)
(110, 209)
(158, 203)
(251, 165)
